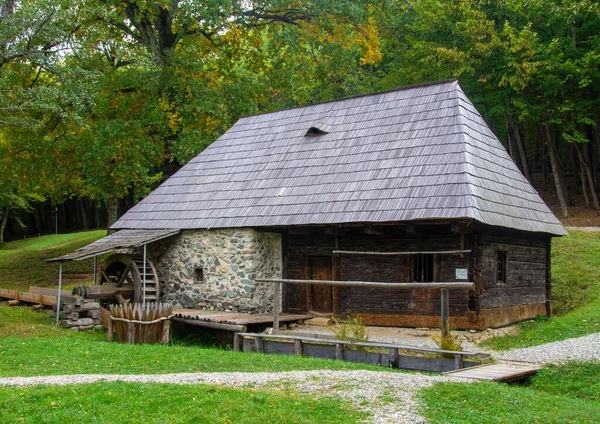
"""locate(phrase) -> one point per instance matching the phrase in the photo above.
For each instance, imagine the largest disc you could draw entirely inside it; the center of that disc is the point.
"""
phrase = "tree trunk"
(560, 189)
(597, 142)
(520, 147)
(590, 177)
(82, 209)
(511, 149)
(3, 224)
(586, 198)
(112, 208)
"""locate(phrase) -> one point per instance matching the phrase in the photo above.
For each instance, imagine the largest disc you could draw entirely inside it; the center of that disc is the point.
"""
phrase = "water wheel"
(124, 269)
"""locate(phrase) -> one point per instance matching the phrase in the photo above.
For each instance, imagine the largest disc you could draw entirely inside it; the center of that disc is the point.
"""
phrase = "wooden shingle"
(417, 153)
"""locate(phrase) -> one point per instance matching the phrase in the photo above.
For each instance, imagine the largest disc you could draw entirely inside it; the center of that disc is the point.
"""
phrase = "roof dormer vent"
(314, 131)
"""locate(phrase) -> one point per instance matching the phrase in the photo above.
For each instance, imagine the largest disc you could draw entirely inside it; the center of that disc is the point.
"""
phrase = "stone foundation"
(216, 269)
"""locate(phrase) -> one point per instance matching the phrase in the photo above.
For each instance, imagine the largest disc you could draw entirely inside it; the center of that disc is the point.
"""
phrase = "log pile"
(79, 314)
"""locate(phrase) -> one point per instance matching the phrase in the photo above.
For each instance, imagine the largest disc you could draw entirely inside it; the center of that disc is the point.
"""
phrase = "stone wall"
(229, 259)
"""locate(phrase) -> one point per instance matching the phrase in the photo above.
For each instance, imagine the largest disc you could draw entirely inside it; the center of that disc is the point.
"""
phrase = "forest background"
(101, 100)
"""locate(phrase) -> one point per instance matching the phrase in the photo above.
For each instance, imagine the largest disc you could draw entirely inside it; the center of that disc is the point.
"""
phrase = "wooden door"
(320, 297)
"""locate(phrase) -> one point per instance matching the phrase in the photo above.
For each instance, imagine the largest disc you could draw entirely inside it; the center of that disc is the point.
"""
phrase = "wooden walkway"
(503, 372)
(235, 317)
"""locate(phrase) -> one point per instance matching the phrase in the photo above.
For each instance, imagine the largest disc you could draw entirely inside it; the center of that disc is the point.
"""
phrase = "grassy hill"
(22, 262)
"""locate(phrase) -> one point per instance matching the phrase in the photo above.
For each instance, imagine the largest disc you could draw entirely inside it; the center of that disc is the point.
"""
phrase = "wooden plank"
(422, 252)
(407, 286)
(28, 297)
(496, 372)
(363, 344)
(210, 324)
(8, 294)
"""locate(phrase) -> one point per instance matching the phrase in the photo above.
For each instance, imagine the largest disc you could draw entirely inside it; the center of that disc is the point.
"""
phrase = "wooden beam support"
(276, 307)
(458, 362)
(259, 345)
(298, 347)
(237, 342)
(430, 252)
(403, 286)
(445, 312)
(339, 351)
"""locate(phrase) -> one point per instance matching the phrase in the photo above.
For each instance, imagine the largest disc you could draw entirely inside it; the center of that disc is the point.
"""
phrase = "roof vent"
(314, 131)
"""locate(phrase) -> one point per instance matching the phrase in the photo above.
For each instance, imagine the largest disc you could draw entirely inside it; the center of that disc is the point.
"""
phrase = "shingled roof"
(416, 153)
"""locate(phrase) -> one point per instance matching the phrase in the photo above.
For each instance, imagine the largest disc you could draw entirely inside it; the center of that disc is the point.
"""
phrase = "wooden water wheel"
(124, 269)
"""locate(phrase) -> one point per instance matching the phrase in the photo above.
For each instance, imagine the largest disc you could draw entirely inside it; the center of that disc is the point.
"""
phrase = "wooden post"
(339, 351)
(166, 333)
(258, 344)
(144, 279)
(393, 357)
(445, 312)
(458, 361)
(95, 270)
(298, 348)
(237, 342)
(110, 329)
(276, 306)
(130, 333)
(59, 289)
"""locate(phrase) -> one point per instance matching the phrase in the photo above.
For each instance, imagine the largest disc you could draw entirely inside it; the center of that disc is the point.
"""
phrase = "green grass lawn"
(567, 393)
(166, 403)
(30, 345)
(575, 291)
(22, 262)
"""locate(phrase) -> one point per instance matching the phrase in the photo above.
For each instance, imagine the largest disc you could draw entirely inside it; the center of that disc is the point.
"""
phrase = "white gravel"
(586, 348)
(387, 397)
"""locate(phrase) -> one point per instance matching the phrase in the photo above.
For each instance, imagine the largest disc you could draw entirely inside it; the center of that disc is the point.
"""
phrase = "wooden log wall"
(527, 264)
(398, 268)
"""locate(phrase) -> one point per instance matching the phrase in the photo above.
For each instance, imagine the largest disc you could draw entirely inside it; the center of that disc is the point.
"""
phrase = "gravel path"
(367, 390)
(586, 348)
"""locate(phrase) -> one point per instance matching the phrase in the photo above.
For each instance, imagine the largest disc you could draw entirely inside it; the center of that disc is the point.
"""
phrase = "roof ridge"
(357, 96)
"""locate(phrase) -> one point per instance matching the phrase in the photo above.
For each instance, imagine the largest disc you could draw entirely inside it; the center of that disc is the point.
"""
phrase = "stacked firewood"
(79, 314)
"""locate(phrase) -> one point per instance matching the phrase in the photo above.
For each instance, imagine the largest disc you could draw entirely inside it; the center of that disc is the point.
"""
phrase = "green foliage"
(447, 341)
(351, 329)
(104, 403)
(489, 402)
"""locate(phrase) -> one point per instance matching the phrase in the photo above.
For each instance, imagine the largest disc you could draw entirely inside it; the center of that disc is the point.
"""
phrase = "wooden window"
(423, 267)
(198, 275)
(501, 266)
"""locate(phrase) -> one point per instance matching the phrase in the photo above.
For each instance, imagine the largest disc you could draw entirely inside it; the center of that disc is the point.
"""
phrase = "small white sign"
(461, 274)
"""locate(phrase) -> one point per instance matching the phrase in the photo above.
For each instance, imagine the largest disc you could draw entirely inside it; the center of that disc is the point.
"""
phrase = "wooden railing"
(443, 286)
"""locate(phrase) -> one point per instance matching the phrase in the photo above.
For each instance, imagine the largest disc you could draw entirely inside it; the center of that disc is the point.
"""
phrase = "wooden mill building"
(404, 186)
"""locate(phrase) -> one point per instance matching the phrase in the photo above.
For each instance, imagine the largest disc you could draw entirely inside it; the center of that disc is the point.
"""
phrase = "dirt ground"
(409, 336)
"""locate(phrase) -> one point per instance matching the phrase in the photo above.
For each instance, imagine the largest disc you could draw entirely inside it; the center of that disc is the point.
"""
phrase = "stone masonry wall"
(230, 259)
